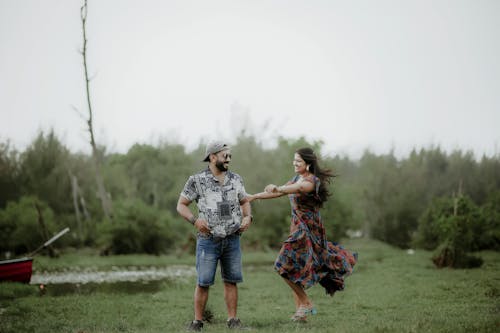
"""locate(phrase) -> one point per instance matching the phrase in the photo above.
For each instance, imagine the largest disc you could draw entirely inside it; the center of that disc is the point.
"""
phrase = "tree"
(101, 190)
(43, 172)
(19, 222)
(9, 170)
(488, 234)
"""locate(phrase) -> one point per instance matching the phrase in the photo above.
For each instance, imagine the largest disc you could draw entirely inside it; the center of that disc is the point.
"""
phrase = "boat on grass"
(16, 270)
(20, 270)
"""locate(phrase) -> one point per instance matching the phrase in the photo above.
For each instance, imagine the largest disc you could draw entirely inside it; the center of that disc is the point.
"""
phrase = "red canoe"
(18, 270)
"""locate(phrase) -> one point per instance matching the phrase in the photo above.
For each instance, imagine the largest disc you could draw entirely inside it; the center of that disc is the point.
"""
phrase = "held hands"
(271, 188)
(270, 191)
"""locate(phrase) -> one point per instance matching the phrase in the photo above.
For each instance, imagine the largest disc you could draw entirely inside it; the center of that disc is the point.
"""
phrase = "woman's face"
(299, 164)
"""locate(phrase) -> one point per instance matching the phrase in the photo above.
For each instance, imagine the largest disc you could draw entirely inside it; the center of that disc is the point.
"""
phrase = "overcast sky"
(355, 74)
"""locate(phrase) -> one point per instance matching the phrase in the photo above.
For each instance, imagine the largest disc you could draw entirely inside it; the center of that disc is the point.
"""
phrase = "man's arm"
(246, 209)
(183, 209)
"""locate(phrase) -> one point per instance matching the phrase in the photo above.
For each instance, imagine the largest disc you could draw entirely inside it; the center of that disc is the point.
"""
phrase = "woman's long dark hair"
(324, 175)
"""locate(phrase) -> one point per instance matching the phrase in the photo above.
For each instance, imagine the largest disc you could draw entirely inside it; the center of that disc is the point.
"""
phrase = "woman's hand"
(271, 188)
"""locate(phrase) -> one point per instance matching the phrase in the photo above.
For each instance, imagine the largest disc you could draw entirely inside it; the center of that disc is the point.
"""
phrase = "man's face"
(223, 159)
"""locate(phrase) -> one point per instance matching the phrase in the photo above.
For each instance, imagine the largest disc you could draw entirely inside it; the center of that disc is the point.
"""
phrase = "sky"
(379, 75)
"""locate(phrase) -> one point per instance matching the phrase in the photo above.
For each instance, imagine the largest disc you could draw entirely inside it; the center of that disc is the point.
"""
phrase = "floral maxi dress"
(306, 257)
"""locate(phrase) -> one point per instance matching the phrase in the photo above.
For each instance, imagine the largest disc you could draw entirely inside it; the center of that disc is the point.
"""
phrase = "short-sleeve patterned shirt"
(218, 204)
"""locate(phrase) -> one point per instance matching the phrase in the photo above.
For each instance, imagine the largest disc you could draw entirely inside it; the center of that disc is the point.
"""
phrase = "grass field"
(390, 291)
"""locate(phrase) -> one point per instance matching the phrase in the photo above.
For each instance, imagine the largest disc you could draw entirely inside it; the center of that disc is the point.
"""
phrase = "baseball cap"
(214, 147)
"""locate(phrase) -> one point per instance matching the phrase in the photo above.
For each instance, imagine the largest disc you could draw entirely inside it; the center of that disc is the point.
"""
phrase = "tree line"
(430, 198)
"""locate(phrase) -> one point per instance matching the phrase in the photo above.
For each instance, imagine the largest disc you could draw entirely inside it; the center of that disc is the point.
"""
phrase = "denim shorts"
(210, 250)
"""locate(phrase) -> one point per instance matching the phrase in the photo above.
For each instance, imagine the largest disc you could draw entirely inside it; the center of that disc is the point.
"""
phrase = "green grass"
(390, 291)
(90, 258)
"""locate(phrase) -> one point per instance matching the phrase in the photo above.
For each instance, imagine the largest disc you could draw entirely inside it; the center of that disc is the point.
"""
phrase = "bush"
(271, 224)
(138, 228)
(489, 236)
(430, 230)
(21, 231)
(449, 256)
(455, 224)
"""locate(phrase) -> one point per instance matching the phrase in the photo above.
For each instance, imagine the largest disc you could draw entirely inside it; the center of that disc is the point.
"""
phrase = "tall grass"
(390, 291)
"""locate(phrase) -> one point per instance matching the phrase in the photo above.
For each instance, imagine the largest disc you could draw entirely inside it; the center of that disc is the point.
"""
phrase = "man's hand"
(245, 223)
(202, 226)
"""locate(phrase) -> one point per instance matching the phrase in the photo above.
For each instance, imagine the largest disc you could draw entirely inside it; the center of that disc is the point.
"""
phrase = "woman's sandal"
(311, 310)
(301, 314)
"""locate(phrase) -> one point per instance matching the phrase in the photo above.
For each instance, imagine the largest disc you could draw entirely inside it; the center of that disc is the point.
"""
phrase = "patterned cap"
(214, 147)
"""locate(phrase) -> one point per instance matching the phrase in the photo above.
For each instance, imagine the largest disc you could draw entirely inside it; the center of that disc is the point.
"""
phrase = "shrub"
(455, 225)
(138, 228)
(489, 236)
(21, 230)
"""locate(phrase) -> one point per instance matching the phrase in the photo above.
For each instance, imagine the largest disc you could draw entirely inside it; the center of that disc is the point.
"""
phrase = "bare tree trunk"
(74, 187)
(45, 232)
(84, 206)
(101, 190)
(456, 198)
(76, 193)
(79, 206)
(155, 195)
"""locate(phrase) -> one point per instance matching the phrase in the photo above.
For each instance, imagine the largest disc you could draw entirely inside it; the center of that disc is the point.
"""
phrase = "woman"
(306, 257)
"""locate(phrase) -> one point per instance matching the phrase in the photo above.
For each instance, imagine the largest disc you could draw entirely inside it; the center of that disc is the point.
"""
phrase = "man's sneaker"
(235, 323)
(195, 326)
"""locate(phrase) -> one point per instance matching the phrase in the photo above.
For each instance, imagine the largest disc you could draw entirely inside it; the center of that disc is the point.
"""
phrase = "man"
(224, 213)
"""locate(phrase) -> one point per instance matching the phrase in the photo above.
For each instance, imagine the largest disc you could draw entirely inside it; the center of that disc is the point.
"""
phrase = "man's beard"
(220, 165)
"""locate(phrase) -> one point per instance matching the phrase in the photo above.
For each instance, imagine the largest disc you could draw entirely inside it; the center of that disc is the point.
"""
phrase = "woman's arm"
(299, 187)
(273, 191)
(264, 195)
